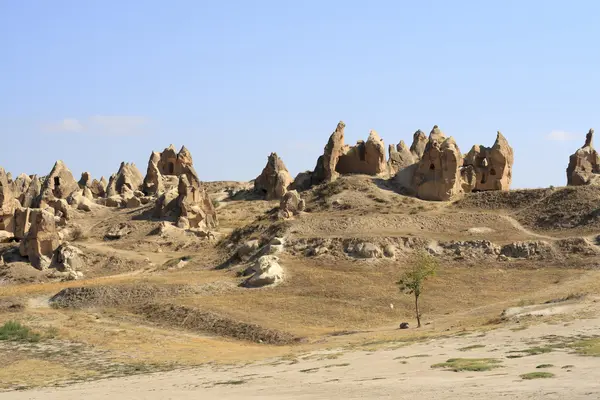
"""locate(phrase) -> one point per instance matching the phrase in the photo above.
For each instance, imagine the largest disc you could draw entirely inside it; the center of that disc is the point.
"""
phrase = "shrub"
(15, 332)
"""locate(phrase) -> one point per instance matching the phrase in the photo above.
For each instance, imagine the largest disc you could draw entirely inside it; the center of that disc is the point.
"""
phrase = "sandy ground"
(399, 372)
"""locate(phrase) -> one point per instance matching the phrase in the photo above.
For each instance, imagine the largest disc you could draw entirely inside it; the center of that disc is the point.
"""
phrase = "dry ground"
(159, 302)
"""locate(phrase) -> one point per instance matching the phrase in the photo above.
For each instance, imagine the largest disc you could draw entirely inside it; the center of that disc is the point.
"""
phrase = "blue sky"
(95, 83)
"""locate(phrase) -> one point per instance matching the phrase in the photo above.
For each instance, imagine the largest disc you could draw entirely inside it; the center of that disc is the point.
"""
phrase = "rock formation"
(153, 182)
(492, 166)
(274, 179)
(8, 203)
(400, 157)
(291, 204)
(85, 180)
(437, 175)
(127, 180)
(419, 143)
(59, 184)
(364, 158)
(584, 164)
(265, 271)
(41, 240)
(98, 187)
(325, 171)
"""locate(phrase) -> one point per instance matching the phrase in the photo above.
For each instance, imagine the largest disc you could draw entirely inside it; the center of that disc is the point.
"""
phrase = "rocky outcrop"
(59, 184)
(417, 148)
(364, 158)
(291, 204)
(41, 240)
(8, 203)
(400, 157)
(127, 180)
(98, 187)
(265, 271)
(153, 182)
(491, 166)
(68, 261)
(584, 164)
(437, 175)
(274, 179)
(85, 180)
(325, 171)
(32, 193)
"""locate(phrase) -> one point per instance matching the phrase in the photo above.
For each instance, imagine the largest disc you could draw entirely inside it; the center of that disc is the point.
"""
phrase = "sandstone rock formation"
(492, 166)
(41, 239)
(274, 179)
(98, 187)
(68, 260)
(400, 157)
(325, 171)
(419, 143)
(127, 180)
(85, 180)
(59, 184)
(584, 164)
(21, 223)
(291, 204)
(153, 182)
(8, 203)
(32, 193)
(364, 158)
(437, 175)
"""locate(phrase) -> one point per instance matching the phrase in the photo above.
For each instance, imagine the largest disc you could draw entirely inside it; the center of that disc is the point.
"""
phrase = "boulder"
(303, 181)
(133, 202)
(265, 271)
(69, 260)
(584, 164)
(365, 250)
(364, 158)
(115, 201)
(291, 204)
(274, 179)
(437, 175)
(41, 240)
(59, 184)
(490, 167)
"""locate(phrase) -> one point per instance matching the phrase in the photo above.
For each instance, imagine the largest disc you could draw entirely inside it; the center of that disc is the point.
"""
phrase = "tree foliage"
(423, 266)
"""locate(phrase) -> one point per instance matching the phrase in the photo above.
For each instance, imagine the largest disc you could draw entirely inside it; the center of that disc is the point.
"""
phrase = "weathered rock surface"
(85, 181)
(364, 158)
(8, 203)
(127, 180)
(584, 164)
(400, 157)
(265, 271)
(492, 166)
(41, 240)
(325, 171)
(68, 260)
(274, 179)
(98, 187)
(118, 231)
(153, 182)
(291, 204)
(59, 184)
(437, 176)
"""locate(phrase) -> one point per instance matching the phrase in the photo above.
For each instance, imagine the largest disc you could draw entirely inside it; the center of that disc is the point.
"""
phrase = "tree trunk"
(417, 311)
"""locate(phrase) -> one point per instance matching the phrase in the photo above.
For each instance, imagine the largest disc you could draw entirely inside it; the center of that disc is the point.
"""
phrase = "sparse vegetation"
(472, 347)
(541, 366)
(537, 375)
(15, 332)
(423, 266)
(587, 347)
(469, 364)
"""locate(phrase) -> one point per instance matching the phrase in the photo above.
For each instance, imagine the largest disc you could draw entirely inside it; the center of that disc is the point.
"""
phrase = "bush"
(15, 332)
(537, 375)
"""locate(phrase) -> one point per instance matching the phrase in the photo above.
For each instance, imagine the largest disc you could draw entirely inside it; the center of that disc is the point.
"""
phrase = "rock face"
(492, 166)
(364, 158)
(584, 164)
(32, 193)
(325, 171)
(274, 179)
(419, 143)
(41, 240)
(127, 180)
(8, 203)
(437, 176)
(265, 271)
(98, 187)
(291, 204)
(69, 260)
(400, 157)
(59, 184)
(85, 180)
(153, 182)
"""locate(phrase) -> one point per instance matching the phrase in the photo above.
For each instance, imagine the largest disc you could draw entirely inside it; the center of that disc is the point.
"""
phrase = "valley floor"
(389, 370)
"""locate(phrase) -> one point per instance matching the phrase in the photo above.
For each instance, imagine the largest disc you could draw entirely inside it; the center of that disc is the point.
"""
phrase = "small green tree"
(423, 266)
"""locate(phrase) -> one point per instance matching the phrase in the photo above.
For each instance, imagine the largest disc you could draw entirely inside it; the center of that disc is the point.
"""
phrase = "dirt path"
(398, 373)
(517, 225)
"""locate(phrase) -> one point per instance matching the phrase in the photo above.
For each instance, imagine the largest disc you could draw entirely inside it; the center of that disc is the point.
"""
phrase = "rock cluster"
(489, 168)
(584, 164)
(274, 180)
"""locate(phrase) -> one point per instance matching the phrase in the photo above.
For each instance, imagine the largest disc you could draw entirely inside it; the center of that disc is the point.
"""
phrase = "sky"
(97, 82)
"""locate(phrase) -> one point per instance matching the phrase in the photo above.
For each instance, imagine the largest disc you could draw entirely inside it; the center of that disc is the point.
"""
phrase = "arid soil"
(162, 313)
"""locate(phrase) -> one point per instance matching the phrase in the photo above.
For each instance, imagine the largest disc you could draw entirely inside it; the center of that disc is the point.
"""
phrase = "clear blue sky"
(95, 83)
